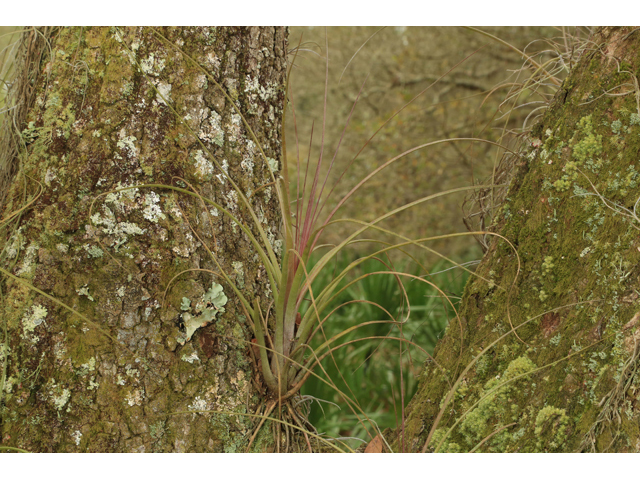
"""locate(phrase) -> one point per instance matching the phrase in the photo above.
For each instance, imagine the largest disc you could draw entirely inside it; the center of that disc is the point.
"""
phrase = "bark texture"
(569, 382)
(124, 107)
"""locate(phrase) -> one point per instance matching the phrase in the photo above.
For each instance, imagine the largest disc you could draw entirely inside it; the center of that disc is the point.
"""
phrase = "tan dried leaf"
(375, 445)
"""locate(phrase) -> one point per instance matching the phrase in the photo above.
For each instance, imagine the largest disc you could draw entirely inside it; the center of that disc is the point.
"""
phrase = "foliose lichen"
(204, 312)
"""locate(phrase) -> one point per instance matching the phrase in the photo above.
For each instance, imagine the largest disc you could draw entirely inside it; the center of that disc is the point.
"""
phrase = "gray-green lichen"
(204, 311)
(93, 251)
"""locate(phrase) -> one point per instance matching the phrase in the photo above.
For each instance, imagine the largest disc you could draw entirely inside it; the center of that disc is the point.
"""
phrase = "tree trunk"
(122, 107)
(544, 354)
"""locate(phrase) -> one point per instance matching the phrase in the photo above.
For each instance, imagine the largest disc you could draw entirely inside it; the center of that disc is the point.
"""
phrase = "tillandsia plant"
(284, 330)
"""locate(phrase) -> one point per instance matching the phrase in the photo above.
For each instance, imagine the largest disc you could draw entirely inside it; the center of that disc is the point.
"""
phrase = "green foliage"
(372, 369)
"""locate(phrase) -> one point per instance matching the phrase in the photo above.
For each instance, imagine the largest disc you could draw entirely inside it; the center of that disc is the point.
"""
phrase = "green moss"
(87, 368)
(497, 408)
(551, 429)
(547, 266)
(587, 149)
(447, 446)
(590, 146)
(227, 428)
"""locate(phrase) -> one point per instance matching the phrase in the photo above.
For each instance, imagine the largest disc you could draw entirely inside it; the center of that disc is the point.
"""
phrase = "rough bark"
(568, 381)
(117, 108)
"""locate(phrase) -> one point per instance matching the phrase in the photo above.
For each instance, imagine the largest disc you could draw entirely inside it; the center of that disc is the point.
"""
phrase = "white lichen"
(273, 164)
(88, 367)
(119, 230)
(204, 312)
(152, 210)
(164, 93)
(212, 130)
(232, 200)
(247, 163)
(84, 290)
(15, 244)
(128, 144)
(129, 228)
(198, 404)
(50, 176)
(132, 372)
(4, 352)
(277, 247)
(59, 396)
(28, 263)
(225, 168)
(181, 250)
(185, 305)
(235, 128)
(191, 358)
(8, 385)
(59, 350)
(254, 89)
(31, 320)
(204, 168)
(238, 267)
(77, 436)
(151, 65)
(135, 397)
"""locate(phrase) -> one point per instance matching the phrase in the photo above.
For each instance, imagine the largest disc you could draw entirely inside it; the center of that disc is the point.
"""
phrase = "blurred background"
(477, 75)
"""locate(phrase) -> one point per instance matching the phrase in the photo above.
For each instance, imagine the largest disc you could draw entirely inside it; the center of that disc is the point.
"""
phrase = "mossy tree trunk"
(568, 381)
(125, 107)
